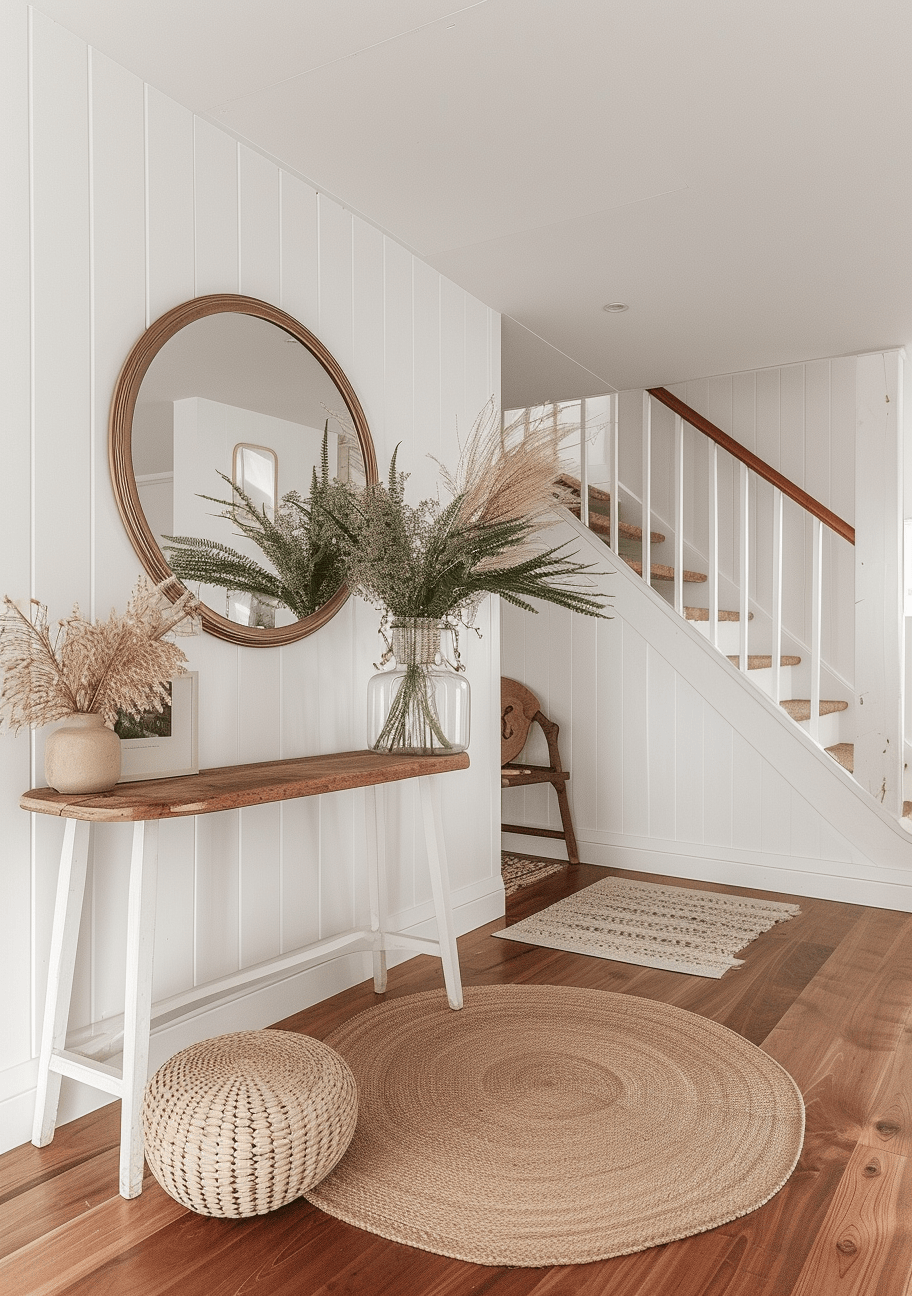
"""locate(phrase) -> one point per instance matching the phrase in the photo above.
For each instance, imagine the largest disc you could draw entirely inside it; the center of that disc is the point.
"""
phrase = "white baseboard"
(473, 906)
(815, 878)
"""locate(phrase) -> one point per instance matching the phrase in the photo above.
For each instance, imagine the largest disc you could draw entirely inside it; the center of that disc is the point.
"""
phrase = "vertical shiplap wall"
(118, 204)
(800, 419)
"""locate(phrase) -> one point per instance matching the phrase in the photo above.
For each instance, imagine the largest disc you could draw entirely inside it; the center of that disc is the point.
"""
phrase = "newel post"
(879, 623)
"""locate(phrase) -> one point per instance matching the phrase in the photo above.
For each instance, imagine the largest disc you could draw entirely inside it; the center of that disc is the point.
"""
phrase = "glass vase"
(422, 706)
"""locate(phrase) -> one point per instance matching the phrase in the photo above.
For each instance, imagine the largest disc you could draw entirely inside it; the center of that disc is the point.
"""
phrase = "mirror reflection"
(235, 423)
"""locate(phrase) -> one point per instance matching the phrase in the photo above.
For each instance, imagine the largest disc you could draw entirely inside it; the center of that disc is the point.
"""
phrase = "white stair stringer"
(878, 847)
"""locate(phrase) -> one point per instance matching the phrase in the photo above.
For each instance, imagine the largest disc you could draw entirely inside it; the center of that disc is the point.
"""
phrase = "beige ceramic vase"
(83, 755)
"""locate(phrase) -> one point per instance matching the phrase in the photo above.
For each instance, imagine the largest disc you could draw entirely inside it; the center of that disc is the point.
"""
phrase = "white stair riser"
(729, 638)
(834, 728)
(788, 684)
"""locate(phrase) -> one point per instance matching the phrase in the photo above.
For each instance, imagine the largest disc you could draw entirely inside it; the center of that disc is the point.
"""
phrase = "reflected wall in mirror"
(226, 415)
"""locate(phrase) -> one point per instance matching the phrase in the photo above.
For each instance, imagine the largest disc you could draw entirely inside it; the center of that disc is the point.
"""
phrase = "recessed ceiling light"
(615, 308)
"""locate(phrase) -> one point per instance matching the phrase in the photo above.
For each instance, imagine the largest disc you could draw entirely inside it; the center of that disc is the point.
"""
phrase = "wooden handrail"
(757, 465)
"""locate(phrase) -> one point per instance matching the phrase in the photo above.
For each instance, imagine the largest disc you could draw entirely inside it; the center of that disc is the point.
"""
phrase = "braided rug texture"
(548, 1125)
(675, 928)
(518, 872)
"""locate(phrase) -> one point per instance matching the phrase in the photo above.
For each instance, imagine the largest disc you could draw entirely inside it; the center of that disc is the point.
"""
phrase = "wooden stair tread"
(844, 754)
(760, 661)
(800, 708)
(600, 523)
(659, 571)
(702, 614)
(573, 483)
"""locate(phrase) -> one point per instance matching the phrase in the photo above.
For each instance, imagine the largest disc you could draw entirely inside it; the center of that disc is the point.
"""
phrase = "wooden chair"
(519, 709)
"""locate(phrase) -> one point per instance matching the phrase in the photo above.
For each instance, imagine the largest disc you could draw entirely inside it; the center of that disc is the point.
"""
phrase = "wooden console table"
(227, 788)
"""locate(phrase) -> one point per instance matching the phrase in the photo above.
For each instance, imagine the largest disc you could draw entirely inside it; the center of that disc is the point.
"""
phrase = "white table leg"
(440, 887)
(64, 935)
(375, 824)
(138, 1001)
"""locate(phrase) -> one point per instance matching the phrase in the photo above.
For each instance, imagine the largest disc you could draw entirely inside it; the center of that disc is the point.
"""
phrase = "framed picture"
(162, 745)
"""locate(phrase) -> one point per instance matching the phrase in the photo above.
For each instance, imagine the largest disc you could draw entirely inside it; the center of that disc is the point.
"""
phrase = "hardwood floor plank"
(56, 1201)
(838, 1037)
(865, 1244)
(293, 1250)
(48, 1265)
(889, 1119)
(74, 1144)
(829, 1044)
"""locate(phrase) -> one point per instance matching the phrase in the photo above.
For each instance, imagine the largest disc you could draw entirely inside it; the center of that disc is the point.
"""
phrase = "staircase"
(631, 536)
(752, 675)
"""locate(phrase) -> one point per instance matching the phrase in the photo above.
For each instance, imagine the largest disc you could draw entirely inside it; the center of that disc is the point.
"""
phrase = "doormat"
(674, 928)
(519, 872)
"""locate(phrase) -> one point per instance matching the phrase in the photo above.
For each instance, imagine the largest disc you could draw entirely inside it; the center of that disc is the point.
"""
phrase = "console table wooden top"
(229, 787)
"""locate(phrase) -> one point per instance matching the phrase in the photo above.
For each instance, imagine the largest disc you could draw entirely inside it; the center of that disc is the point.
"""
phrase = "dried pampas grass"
(122, 664)
(507, 474)
(510, 474)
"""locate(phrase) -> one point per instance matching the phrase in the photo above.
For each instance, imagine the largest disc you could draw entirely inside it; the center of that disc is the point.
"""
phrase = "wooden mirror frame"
(120, 452)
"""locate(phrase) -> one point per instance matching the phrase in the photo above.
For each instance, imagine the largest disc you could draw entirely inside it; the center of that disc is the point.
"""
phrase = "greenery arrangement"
(121, 665)
(436, 562)
(299, 542)
(439, 560)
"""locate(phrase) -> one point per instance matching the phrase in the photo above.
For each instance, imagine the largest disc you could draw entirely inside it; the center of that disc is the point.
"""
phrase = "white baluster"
(679, 516)
(777, 595)
(713, 544)
(647, 486)
(816, 602)
(744, 604)
(615, 504)
(584, 466)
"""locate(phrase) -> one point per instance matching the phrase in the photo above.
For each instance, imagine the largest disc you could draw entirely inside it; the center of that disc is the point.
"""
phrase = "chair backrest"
(518, 706)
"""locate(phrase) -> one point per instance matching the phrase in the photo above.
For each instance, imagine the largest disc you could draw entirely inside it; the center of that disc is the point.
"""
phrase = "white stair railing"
(750, 471)
(763, 575)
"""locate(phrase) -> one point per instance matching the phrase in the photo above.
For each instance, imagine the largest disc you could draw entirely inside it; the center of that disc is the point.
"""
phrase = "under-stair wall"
(678, 765)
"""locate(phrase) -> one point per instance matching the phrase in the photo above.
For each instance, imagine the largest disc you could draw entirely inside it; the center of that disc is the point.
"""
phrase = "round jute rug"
(547, 1125)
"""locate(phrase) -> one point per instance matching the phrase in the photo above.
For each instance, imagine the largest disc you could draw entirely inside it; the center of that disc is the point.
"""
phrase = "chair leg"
(560, 787)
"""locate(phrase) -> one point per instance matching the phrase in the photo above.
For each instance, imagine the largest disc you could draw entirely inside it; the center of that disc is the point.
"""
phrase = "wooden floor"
(829, 995)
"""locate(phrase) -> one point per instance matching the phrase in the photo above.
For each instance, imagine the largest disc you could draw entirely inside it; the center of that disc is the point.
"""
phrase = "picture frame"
(152, 756)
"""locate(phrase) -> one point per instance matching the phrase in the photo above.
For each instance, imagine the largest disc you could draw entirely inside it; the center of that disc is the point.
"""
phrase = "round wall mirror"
(226, 416)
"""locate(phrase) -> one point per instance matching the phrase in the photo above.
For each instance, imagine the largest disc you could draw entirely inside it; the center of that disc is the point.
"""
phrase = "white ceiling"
(738, 173)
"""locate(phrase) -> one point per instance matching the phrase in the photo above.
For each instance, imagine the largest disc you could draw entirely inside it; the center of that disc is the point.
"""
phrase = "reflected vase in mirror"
(422, 706)
(228, 419)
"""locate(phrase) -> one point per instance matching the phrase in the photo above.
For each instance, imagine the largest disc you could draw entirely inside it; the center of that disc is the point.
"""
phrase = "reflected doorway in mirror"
(255, 469)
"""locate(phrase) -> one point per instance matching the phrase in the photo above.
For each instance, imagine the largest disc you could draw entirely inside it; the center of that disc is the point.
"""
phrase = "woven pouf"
(242, 1124)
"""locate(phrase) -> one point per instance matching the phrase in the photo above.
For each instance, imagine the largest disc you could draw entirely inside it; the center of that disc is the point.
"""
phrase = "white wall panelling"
(16, 1042)
(879, 621)
(117, 204)
(679, 765)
